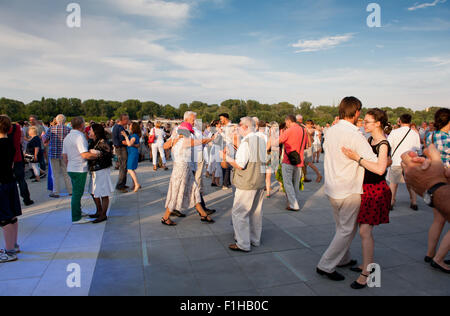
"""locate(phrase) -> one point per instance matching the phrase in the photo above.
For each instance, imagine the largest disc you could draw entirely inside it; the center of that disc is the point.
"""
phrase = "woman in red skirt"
(376, 200)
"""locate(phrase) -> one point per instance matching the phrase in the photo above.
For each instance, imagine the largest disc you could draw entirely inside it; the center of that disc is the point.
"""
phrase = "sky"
(174, 52)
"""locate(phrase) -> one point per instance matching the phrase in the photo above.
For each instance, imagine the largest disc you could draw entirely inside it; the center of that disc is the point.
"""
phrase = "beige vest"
(253, 176)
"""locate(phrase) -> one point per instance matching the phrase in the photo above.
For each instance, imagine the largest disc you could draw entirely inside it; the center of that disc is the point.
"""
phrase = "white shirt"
(159, 136)
(411, 143)
(243, 152)
(73, 146)
(343, 176)
(262, 135)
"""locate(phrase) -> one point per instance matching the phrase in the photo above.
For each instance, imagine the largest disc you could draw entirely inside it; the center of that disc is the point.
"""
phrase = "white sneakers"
(82, 221)
(6, 257)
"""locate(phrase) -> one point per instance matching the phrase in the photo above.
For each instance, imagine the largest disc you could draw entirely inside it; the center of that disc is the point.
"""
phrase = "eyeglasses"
(366, 122)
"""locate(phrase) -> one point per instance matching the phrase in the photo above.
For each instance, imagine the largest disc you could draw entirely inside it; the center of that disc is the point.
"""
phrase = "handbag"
(294, 157)
(151, 138)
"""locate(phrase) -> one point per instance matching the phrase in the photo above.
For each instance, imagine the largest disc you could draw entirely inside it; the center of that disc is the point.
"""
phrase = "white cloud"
(160, 9)
(321, 44)
(110, 60)
(418, 6)
(435, 60)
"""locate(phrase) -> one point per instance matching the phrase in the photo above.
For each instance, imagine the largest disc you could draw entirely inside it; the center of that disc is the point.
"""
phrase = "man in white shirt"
(249, 179)
(402, 140)
(75, 156)
(344, 185)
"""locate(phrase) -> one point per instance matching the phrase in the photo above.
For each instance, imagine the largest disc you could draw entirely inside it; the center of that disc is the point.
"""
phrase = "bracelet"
(359, 162)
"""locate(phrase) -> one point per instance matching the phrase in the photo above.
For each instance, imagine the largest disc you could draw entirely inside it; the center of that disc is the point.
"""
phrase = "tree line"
(101, 110)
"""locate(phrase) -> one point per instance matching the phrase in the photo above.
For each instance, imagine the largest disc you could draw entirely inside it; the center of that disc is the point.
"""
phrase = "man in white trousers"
(344, 185)
(249, 180)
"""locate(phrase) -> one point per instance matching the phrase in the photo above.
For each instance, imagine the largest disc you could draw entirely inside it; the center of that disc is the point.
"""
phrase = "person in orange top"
(294, 139)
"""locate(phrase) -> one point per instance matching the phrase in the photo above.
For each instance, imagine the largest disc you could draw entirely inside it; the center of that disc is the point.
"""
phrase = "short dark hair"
(291, 118)
(225, 115)
(262, 124)
(406, 119)
(441, 118)
(348, 107)
(77, 122)
(5, 124)
(123, 115)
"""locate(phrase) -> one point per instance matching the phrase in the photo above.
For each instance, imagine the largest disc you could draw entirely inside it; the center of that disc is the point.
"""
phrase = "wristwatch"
(428, 196)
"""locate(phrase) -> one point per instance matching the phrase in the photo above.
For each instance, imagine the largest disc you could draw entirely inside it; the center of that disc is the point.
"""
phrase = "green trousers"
(78, 184)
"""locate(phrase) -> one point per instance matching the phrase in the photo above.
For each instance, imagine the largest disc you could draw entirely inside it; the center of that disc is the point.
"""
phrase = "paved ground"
(133, 254)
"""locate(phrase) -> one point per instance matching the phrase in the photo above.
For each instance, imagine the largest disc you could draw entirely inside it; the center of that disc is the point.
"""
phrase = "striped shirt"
(56, 135)
(441, 140)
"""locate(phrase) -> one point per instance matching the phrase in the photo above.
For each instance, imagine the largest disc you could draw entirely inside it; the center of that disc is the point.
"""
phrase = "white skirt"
(101, 185)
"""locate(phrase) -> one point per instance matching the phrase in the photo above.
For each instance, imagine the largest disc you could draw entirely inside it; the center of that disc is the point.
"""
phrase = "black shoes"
(210, 212)
(414, 207)
(437, 266)
(429, 260)
(358, 286)
(28, 203)
(335, 276)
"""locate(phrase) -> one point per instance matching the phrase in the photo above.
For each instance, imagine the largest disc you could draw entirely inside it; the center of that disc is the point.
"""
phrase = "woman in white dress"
(101, 187)
(317, 144)
(158, 146)
(214, 168)
(183, 192)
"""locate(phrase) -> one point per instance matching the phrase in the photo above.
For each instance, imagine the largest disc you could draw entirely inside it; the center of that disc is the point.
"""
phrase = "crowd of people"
(365, 161)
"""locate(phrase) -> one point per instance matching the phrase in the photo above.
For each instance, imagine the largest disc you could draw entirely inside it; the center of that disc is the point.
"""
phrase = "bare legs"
(133, 175)
(268, 181)
(368, 246)
(314, 168)
(10, 233)
(394, 188)
(433, 239)
(316, 157)
(443, 251)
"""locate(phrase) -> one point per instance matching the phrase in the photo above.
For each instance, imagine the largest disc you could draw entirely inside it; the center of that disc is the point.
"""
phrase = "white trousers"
(291, 181)
(345, 214)
(247, 217)
(155, 149)
(199, 175)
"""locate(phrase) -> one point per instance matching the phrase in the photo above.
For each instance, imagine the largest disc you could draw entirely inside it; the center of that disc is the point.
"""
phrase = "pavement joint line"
(291, 268)
(296, 238)
(145, 254)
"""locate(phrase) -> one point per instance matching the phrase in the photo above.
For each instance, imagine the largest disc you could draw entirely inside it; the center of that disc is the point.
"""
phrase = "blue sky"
(211, 50)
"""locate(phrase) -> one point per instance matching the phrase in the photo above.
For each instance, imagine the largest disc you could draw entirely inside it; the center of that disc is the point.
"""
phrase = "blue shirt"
(117, 136)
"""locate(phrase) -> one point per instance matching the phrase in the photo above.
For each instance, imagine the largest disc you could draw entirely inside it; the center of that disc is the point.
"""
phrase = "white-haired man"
(55, 138)
(249, 180)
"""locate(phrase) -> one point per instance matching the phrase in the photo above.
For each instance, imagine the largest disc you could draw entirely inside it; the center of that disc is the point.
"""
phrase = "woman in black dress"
(9, 196)
(376, 200)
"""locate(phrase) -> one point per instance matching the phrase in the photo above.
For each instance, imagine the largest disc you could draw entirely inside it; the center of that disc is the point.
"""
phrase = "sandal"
(100, 220)
(358, 286)
(167, 222)
(206, 219)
